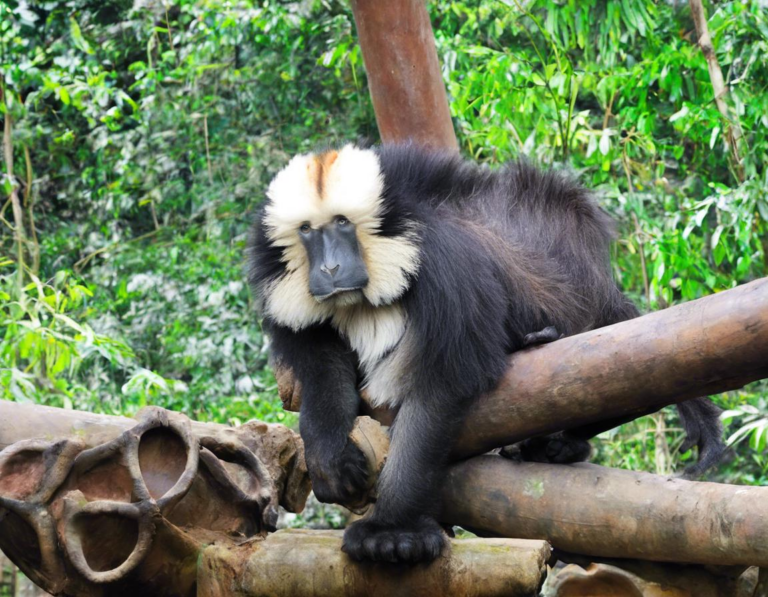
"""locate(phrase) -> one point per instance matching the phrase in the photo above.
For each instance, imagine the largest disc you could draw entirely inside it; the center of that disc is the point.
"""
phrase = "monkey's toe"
(381, 542)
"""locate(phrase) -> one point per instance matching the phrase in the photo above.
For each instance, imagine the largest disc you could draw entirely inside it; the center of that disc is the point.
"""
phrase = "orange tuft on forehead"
(318, 168)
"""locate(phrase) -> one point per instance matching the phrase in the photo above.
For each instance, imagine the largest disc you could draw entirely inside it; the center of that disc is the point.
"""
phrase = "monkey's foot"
(557, 448)
(341, 478)
(701, 420)
(545, 336)
(711, 449)
(381, 542)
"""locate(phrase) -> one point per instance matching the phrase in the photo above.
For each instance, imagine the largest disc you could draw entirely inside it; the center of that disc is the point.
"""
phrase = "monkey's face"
(336, 264)
(324, 213)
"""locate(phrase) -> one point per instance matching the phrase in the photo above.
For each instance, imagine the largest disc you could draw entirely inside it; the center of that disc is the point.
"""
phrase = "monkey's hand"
(370, 539)
(339, 477)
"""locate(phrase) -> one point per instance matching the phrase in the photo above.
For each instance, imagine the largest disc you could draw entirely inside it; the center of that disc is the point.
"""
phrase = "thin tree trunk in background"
(29, 205)
(18, 214)
(734, 133)
(404, 73)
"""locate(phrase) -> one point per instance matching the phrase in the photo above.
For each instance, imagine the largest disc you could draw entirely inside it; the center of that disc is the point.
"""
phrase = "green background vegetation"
(143, 135)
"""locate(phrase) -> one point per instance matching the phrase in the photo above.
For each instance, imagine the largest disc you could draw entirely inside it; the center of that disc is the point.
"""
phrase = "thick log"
(20, 421)
(710, 345)
(91, 501)
(311, 564)
(404, 72)
(588, 509)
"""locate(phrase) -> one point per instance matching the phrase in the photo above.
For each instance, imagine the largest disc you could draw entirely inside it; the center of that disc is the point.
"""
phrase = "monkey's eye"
(341, 221)
(305, 228)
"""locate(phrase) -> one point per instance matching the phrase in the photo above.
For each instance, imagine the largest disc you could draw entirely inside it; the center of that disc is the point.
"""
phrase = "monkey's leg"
(402, 527)
(327, 372)
(565, 447)
(557, 447)
(700, 418)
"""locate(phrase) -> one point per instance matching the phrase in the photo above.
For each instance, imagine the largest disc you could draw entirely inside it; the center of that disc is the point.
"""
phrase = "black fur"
(264, 259)
(505, 255)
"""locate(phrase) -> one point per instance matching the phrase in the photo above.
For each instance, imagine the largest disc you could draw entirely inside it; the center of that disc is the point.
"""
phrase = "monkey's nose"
(331, 271)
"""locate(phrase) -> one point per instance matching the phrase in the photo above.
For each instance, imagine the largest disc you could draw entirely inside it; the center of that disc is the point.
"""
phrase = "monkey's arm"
(327, 370)
(456, 343)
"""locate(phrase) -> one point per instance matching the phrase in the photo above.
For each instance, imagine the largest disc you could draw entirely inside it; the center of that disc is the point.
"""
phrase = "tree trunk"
(404, 75)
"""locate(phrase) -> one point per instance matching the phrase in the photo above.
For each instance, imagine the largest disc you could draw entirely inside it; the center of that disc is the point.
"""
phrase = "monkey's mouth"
(343, 295)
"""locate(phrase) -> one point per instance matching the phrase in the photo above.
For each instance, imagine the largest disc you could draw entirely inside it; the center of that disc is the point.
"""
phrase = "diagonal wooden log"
(710, 345)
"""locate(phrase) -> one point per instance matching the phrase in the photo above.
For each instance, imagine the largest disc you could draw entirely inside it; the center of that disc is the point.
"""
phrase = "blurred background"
(140, 136)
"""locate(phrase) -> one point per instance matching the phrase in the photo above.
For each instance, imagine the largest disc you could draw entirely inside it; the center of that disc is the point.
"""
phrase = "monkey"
(413, 273)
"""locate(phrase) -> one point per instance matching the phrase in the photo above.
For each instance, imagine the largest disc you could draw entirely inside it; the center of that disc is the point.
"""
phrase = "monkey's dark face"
(324, 213)
(336, 264)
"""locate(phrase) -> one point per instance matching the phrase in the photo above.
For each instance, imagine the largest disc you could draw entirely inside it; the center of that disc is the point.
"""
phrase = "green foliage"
(43, 347)
(149, 130)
